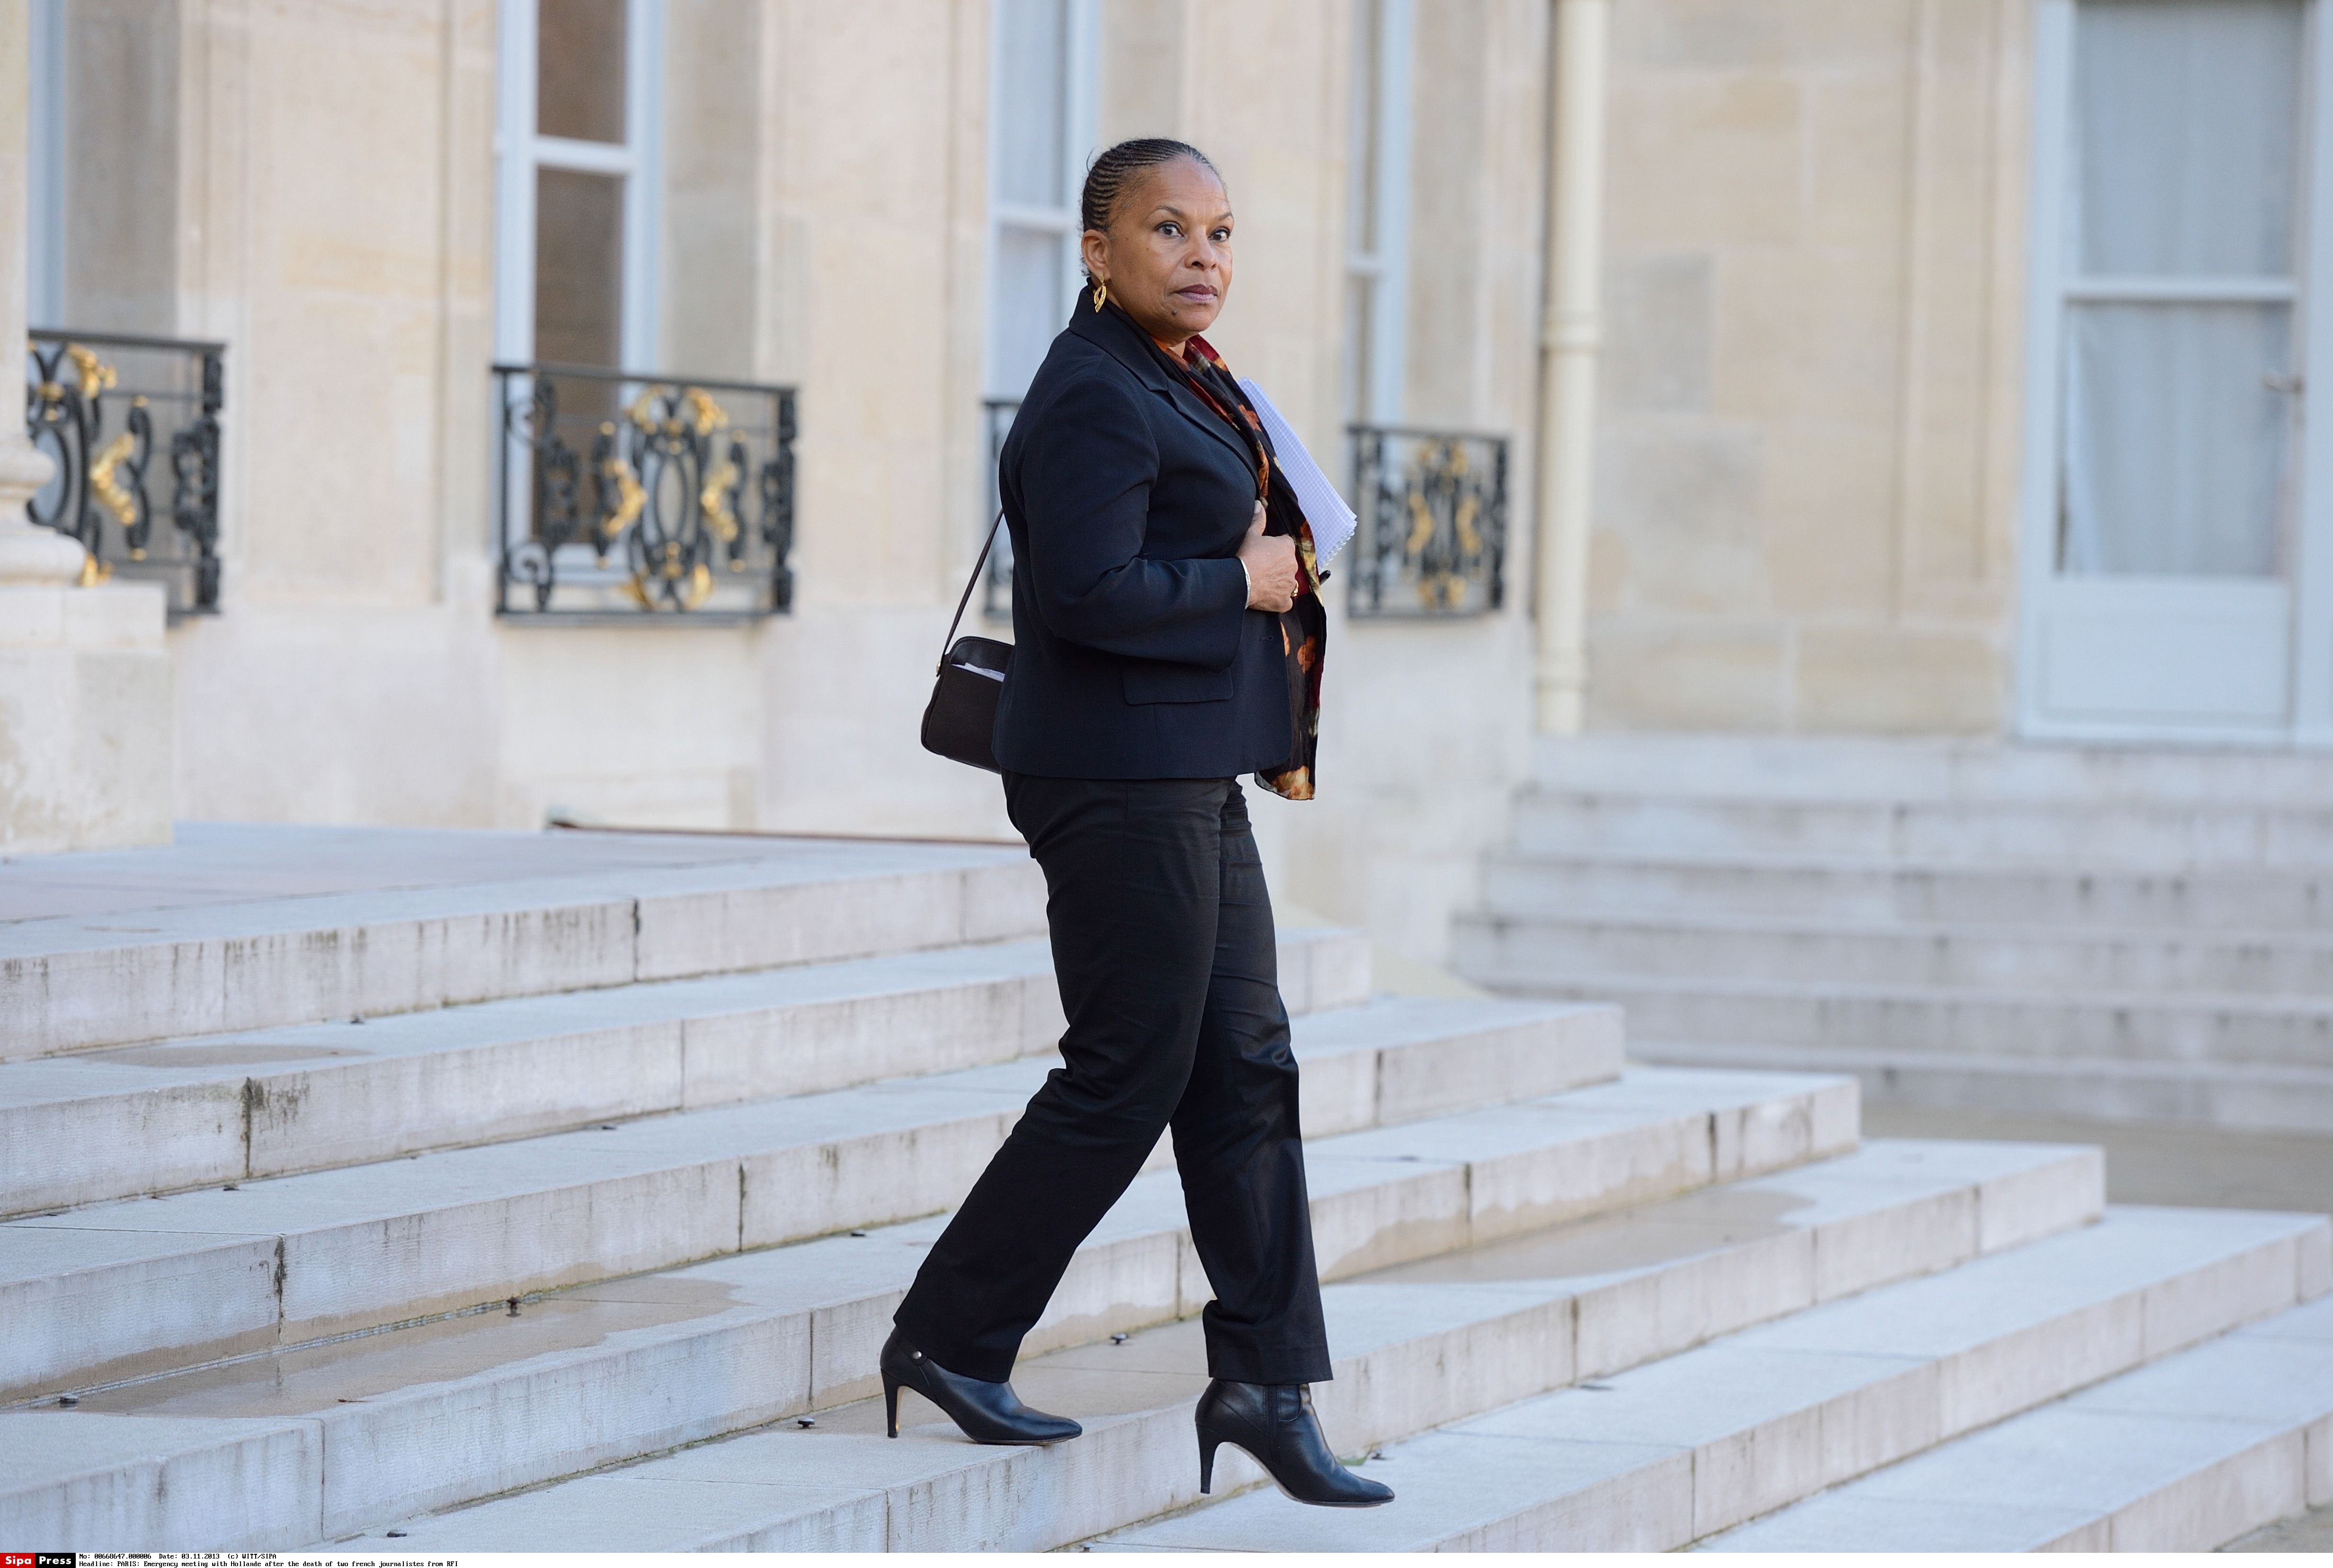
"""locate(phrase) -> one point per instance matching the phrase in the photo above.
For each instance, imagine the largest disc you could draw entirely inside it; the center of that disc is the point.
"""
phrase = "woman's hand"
(1271, 566)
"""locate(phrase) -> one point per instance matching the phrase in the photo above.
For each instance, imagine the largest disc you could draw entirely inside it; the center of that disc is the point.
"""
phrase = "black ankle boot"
(988, 1412)
(1274, 1423)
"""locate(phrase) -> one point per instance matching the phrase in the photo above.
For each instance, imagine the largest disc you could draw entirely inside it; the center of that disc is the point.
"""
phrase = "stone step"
(2191, 1093)
(1814, 1018)
(2183, 1455)
(1654, 1458)
(1792, 888)
(388, 1425)
(270, 939)
(127, 1289)
(1826, 952)
(1971, 771)
(2074, 834)
(1415, 1346)
(140, 1119)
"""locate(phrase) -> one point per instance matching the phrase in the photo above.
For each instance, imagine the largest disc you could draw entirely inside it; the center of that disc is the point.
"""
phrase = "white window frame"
(2312, 542)
(1384, 268)
(638, 161)
(1079, 125)
(45, 215)
(2302, 602)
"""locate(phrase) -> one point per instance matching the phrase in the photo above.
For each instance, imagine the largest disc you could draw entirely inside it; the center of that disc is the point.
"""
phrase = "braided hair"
(1113, 167)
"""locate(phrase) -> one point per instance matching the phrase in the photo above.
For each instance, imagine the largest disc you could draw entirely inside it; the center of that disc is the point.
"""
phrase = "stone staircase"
(1901, 1387)
(590, 1248)
(2118, 935)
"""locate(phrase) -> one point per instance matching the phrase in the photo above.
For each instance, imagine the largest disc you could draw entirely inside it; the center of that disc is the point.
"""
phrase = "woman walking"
(1167, 636)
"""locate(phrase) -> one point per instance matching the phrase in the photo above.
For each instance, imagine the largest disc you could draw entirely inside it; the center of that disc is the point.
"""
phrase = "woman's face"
(1166, 254)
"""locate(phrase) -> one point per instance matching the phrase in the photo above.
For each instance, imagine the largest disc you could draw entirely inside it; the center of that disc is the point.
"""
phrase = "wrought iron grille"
(996, 594)
(103, 406)
(1433, 533)
(626, 496)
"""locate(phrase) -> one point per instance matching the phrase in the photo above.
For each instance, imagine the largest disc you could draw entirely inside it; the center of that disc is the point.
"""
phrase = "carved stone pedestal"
(84, 691)
(84, 718)
(85, 711)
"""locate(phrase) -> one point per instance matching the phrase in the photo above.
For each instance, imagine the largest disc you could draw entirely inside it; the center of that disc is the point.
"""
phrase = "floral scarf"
(1303, 629)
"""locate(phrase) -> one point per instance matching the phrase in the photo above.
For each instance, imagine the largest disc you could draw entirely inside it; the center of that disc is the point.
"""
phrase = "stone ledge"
(127, 1289)
(425, 1418)
(1419, 1346)
(2182, 1455)
(73, 982)
(1671, 1451)
(139, 1120)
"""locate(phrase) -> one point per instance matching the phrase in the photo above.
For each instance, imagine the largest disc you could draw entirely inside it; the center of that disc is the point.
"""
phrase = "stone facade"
(1805, 458)
(1812, 380)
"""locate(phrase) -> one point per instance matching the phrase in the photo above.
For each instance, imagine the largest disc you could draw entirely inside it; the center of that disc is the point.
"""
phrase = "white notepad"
(1332, 521)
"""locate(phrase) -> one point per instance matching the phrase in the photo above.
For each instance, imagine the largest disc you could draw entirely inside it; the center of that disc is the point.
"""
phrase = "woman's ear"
(1094, 245)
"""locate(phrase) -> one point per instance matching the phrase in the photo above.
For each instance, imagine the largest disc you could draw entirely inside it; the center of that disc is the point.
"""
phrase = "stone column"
(1573, 336)
(85, 714)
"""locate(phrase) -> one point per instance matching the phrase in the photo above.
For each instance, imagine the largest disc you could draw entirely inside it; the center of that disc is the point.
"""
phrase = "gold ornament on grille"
(630, 496)
(666, 495)
(96, 375)
(1444, 587)
(712, 498)
(103, 477)
(703, 415)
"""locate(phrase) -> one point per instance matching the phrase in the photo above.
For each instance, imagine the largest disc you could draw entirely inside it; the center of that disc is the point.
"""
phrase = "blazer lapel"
(1186, 403)
(1121, 337)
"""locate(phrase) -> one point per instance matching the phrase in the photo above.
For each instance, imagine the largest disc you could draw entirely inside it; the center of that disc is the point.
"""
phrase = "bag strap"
(970, 583)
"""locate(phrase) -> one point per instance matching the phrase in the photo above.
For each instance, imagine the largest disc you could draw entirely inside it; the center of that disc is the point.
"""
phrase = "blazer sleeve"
(1085, 478)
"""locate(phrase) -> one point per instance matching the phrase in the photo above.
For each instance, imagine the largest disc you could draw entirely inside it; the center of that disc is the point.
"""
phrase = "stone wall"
(824, 226)
(335, 179)
(1807, 445)
(1426, 727)
(1812, 387)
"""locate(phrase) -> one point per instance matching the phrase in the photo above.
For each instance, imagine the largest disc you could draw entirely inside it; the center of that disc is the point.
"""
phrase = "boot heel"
(985, 1411)
(1274, 1424)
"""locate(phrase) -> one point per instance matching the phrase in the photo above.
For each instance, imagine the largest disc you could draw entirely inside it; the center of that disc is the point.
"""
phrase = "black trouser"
(1164, 947)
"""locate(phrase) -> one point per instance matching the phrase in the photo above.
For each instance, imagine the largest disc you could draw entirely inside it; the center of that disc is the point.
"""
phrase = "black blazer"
(1135, 653)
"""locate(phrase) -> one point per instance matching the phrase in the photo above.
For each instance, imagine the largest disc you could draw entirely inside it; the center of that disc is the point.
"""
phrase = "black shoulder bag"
(960, 722)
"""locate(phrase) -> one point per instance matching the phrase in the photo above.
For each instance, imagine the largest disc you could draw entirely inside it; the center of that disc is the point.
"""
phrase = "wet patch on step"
(229, 1053)
(317, 1378)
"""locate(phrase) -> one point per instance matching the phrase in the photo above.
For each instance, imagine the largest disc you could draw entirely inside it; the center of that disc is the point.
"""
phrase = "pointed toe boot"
(1274, 1423)
(987, 1412)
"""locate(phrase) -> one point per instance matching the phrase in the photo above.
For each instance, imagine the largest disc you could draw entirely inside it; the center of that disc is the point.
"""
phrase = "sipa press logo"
(38, 1559)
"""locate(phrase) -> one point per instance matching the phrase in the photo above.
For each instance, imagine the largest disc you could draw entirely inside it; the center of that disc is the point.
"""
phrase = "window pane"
(579, 267)
(579, 80)
(2175, 441)
(1032, 306)
(46, 210)
(1368, 121)
(1360, 296)
(2187, 128)
(1032, 40)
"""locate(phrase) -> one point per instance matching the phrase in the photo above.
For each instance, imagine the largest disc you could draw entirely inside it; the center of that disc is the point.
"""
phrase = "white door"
(2168, 532)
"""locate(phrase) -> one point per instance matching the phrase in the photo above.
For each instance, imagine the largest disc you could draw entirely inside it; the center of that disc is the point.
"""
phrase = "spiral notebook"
(1332, 521)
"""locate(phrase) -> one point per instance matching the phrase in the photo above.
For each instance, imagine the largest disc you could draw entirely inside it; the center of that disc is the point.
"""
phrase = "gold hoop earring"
(1101, 292)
